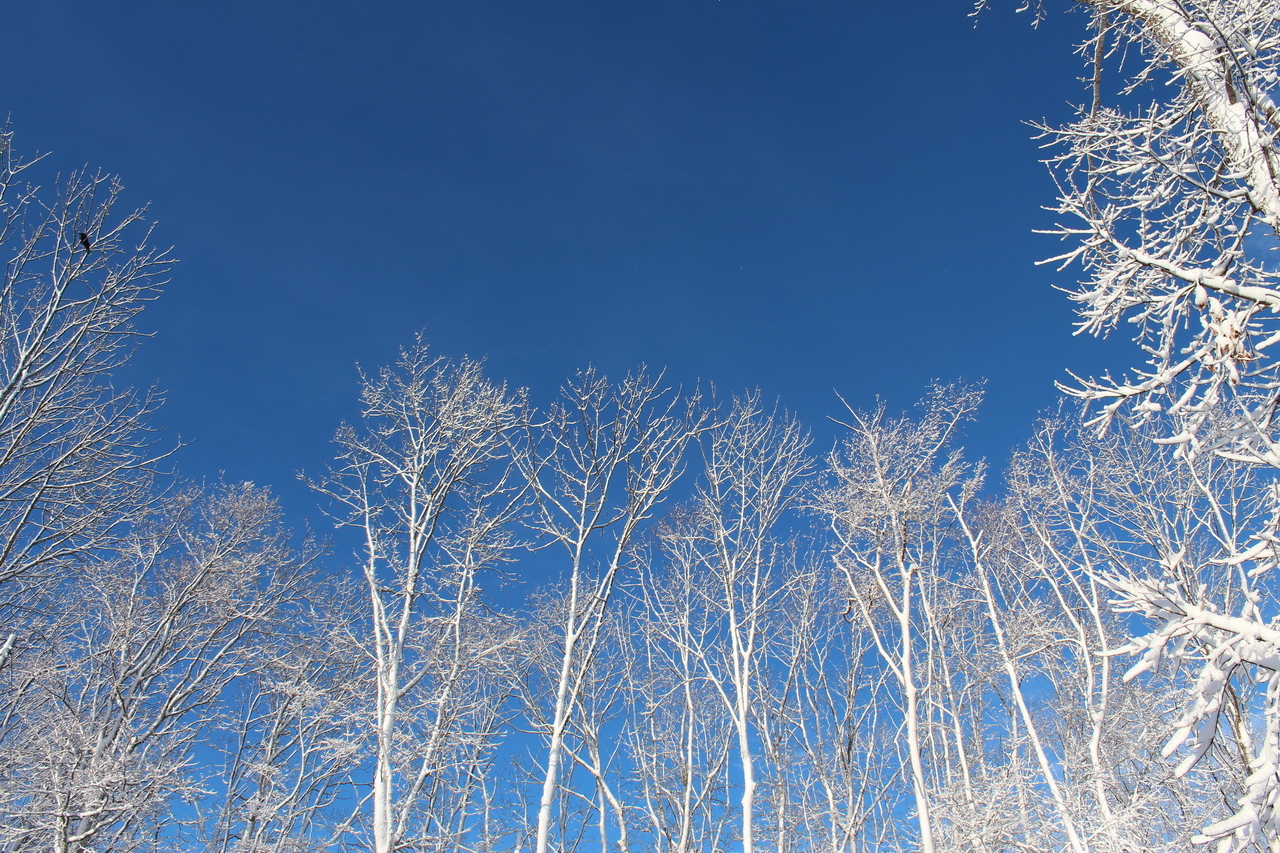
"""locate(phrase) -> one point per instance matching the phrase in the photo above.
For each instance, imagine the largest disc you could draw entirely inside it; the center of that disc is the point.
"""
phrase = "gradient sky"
(805, 197)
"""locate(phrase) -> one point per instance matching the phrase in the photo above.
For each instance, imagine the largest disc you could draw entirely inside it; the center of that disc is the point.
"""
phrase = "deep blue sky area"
(805, 197)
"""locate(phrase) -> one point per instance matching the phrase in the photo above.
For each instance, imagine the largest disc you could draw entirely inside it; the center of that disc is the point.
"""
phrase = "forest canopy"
(744, 642)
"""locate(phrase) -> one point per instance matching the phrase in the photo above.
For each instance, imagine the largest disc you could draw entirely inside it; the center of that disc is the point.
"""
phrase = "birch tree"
(1090, 517)
(887, 509)
(1081, 506)
(681, 740)
(1171, 202)
(427, 484)
(754, 469)
(598, 467)
(1203, 581)
(1172, 207)
(832, 744)
(292, 733)
(1169, 197)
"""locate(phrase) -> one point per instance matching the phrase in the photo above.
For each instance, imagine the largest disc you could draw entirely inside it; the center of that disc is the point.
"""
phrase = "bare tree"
(74, 452)
(830, 745)
(1172, 202)
(1173, 205)
(427, 483)
(1094, 520)
(887, 506)
(292, 733)
(754, 471)
(680, 738)
(599, 466)
(104, 713)
(592, 790)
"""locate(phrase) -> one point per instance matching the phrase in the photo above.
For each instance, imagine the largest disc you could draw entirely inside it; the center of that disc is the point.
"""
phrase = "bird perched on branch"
(84, 241)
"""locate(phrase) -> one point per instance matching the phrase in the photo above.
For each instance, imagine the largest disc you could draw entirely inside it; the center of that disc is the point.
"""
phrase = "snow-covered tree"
(728, 551)
(1120, 523)
(598, 467)
(103, 718)
(74, 452)
(887, 508)
(427, 481)
(292, 732)
(1169, 192)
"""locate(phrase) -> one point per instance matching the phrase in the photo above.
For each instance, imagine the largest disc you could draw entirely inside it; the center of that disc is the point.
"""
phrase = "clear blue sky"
(804, 196)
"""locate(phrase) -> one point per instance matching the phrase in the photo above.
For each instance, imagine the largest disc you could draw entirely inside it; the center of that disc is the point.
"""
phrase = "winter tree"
(598, 467)
(887, 509)
(710, 611)
(1169, 197)
(74, 452)
(1084, 510)
(103, 718)
(427, 481)
(292, 731)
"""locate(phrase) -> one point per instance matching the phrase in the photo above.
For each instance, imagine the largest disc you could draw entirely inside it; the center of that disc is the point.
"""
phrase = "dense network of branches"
(644, 619)
(1169, 194)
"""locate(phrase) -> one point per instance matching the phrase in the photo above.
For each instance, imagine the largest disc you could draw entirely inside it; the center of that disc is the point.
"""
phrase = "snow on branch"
(1173, 208)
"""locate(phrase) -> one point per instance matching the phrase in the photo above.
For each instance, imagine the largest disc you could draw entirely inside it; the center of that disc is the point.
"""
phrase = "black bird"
(84, 241)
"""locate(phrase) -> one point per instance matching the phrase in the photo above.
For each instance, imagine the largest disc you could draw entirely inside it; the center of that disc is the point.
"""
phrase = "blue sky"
(805, 197)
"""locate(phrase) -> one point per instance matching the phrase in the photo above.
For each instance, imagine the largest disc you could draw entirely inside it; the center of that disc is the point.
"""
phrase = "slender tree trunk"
(911, 695)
